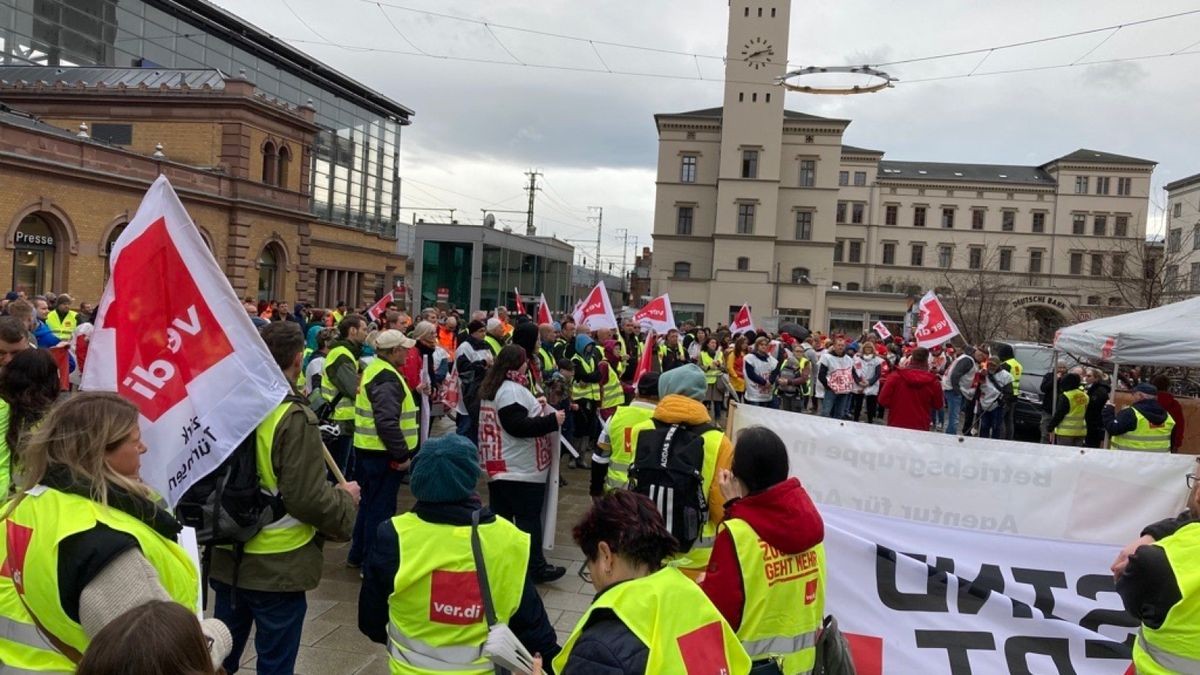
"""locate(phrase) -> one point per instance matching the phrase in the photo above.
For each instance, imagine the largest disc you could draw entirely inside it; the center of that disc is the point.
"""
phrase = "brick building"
(289, 169)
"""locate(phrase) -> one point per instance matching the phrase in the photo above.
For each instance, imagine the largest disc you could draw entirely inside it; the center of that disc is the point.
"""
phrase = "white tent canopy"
(1162, 336)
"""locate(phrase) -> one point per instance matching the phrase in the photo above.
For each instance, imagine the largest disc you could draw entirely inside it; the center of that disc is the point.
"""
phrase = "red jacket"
(1171, 405)
(784, 516)
(910, 396)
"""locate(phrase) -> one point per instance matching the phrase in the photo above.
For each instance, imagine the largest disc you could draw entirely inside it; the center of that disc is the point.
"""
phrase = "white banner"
(173, 338)
(949, 555)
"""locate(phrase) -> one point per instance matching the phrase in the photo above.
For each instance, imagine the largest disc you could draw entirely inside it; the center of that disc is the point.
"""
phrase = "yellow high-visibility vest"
(287, 533)
(493, 345)
(696, 639)
(42, 520)
(344, 410)
(1172, 647)
(784, 599)
(366, 436)
(63, 328)
(620, 438)
(709, 365)
(1074, 425)
(611, 392)
(436, 619)
(1146, 436)
(1014, 369)
(581, 389)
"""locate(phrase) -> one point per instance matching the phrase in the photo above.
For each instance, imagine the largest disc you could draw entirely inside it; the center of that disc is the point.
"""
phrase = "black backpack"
(227, 506)
(667, 468)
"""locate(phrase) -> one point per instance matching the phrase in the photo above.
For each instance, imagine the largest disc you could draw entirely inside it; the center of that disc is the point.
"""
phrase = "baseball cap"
(391, 338)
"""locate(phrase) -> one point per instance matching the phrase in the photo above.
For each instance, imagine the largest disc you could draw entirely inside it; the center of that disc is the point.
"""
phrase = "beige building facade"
(1182, 245)
(767, 206)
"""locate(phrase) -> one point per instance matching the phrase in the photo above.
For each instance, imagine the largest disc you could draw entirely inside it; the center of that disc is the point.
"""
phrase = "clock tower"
(748, 181)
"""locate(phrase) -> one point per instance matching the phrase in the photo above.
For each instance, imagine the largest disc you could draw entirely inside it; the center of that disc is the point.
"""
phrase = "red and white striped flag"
(544, 315)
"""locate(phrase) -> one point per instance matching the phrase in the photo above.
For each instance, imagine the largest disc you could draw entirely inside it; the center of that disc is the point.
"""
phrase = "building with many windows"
(760, 204)
(1182, 272)
(289, 168)
(480, 267)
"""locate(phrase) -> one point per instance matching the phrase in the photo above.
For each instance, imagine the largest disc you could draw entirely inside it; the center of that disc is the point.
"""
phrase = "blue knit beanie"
(687, 380)
(445, 470)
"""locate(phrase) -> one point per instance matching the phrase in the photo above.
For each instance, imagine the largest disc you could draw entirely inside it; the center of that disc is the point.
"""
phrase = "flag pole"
(333, 467)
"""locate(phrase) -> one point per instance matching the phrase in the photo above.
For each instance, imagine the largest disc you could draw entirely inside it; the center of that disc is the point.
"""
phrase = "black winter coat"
(607, 647)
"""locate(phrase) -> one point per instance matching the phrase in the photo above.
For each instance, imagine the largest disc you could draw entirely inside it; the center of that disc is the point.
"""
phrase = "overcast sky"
(479, 126)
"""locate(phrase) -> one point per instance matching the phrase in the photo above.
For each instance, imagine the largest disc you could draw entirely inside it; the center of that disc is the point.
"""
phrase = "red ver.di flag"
(595, 310)
(882, 331)
(742, 321)
(544, 316)
(172, 338)
(657, 315)
(935, 325)
(376, 310)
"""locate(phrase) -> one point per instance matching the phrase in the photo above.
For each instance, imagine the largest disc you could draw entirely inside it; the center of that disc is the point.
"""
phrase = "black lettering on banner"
(1042, 581)
(974, 593)
(957, 644)
(932, 600)
(1018, 647)
(1090, 586)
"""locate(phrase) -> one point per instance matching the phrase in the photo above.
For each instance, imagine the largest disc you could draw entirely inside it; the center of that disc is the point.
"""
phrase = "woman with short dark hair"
(769, 519)
(645, 618)
(153, 638)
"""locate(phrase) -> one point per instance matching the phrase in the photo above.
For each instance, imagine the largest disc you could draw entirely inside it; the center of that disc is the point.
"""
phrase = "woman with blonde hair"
(86, 540)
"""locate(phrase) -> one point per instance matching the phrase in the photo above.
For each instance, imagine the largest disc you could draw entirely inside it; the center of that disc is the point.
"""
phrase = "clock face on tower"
(757, 53)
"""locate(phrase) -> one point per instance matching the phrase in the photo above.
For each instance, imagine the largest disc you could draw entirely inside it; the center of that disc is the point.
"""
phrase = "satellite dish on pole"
(489, 220)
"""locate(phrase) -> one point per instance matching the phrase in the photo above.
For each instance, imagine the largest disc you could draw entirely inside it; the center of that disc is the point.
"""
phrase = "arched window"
(270, 263)
(269, 163)
(853, 286)
(743, 264)
(886, 288)
(112, 238)
(285, 158)
(683, 270)
(35, 255)
(800, 275)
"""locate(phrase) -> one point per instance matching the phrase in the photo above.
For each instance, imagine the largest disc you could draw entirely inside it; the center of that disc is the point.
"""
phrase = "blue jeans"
(834, 405)
(380, 486)
(991, 423)
(954, 403)
(277, 617)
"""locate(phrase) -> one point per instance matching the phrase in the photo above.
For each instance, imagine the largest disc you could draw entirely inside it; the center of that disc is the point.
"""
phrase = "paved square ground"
(331, 643)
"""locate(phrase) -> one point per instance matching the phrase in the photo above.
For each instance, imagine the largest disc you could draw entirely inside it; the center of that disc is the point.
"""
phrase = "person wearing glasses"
(635, 623)
(1158, 580)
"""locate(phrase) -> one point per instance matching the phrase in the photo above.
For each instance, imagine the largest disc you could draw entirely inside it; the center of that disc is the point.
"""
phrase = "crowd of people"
(682, 514)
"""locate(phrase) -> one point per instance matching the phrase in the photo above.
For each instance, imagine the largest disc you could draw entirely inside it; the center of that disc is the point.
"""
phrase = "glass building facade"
(355, 161)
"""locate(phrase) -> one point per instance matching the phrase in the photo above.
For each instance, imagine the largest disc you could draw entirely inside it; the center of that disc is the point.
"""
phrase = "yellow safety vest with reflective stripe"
(1074, 425)
(62, 328)
(23, 648)
(337, 318)
(1172, 647)
(546, 360)
(1145, 436)
(784, 599)
(300, 379)
(493, 345)
(679, 625)
(437, 623)
(581, 389)
(344, 411)
(43, 519)
(612, 394)
(366, 437)
(1014, 369)
(287, 533)
(620, 440)
(709, 365)
(697, 557)
(6, 457)
(678, 349)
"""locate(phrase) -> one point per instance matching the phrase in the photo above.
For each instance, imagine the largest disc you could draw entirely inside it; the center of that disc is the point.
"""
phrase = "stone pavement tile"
(317, 661)
(343, 613)
(349, 639)
(317, 607)
(566, 622)
(334, 589)
(378, 666)
(573, 602)
(314, 631)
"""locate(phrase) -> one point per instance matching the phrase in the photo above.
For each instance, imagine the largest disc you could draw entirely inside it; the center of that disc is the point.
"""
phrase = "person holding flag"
(284, 560)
